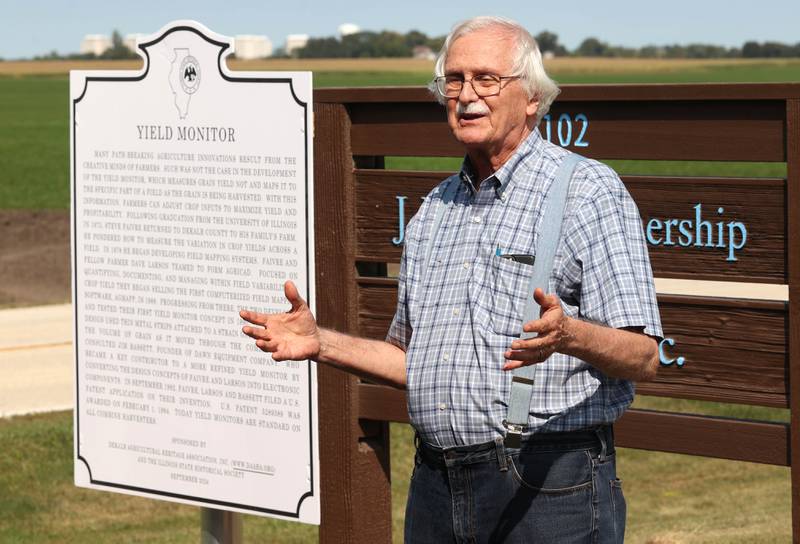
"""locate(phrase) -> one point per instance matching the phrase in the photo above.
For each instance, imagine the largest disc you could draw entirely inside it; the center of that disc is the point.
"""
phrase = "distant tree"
(705, 51)
(592, 47)
(548, 42)
(118, 49)
(321, 48)
(80, 56)
(52, 55)
(436, 43)
(392, 44)
(620, 51)
(413, 38)
(675, 51)
(751, 49)
(358, 45)
(55, 55)
(361, 45)
(652, 51)
(776, 49)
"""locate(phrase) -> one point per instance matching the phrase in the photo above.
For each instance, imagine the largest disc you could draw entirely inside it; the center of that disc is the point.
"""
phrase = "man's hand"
(551, 334)
(625, 353)
(293, 335)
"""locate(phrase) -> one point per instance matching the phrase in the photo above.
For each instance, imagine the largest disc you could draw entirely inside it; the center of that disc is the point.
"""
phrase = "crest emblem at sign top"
(190, 74)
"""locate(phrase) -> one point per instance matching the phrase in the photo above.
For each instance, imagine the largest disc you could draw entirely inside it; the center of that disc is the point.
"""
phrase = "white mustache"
(473, 108)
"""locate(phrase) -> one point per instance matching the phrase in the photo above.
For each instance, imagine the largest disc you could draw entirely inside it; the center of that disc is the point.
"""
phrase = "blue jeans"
(559, 488)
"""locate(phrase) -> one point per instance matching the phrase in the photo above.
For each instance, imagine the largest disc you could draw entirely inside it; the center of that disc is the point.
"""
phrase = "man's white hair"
(527, 63)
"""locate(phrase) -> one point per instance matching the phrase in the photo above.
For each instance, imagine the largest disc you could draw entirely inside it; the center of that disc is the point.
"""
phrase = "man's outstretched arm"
(618, 353)
(295, 336)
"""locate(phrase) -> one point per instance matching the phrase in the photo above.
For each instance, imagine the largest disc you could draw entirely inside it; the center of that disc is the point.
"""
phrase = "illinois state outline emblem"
(184, 79)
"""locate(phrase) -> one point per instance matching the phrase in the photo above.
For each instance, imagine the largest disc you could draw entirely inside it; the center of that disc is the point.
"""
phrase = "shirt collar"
(503, 176)
(468, 175)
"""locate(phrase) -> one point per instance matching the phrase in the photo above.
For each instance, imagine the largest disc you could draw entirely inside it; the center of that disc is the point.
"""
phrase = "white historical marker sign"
(192, 198)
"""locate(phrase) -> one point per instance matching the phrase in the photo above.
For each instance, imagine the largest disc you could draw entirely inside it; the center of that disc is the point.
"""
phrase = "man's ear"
(532, 107)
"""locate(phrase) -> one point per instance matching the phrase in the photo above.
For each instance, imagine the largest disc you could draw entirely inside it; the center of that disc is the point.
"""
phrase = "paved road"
(36, 364)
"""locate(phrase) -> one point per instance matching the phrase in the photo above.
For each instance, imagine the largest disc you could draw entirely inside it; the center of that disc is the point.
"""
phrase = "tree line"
(369, 44)
(592, 47)
(118, 50)
(386, 43)
(394, 44)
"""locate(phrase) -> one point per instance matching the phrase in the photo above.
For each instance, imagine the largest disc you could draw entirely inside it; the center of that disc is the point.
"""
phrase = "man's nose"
(468, 93)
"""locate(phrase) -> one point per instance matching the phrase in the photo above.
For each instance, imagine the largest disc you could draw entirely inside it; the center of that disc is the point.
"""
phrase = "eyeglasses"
(483, 84)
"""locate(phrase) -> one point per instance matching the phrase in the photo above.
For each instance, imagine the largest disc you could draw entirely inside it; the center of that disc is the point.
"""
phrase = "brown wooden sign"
(697, 228)
(709, 228)
(692, 130)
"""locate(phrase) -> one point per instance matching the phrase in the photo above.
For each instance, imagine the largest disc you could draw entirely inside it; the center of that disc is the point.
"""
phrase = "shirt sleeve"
(400, 330)
(606, 239)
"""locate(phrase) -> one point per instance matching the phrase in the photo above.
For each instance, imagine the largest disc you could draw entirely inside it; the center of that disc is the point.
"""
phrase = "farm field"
(415, 72)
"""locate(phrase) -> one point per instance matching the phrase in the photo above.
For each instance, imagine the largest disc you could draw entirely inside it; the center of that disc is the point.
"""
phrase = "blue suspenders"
(523, 380)
(519, 403)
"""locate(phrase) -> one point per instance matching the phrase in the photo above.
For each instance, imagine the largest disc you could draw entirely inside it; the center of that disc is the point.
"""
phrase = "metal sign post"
(220, 527)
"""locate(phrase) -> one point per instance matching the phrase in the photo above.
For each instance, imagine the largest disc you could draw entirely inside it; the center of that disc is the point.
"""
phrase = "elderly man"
(457, 331)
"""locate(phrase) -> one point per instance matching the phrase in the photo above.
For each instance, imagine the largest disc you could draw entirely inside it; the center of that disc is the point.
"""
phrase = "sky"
(36, 27)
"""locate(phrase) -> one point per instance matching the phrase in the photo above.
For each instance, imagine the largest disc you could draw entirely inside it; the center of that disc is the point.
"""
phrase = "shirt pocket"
(510, 282)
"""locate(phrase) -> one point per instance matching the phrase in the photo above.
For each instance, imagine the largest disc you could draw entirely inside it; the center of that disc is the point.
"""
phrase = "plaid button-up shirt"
(456, 316)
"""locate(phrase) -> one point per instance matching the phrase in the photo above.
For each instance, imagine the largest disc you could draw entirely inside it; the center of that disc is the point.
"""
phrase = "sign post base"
(220, 527)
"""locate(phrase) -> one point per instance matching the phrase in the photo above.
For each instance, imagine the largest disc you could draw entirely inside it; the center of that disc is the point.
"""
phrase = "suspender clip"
(513, 434)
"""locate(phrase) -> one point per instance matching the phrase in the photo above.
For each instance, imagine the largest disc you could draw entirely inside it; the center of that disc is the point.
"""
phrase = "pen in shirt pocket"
(516, 257)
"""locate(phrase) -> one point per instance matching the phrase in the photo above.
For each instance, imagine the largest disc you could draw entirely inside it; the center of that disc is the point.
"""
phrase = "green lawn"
(34, 142)
(626, 167)
(41, 505)
(671, 498)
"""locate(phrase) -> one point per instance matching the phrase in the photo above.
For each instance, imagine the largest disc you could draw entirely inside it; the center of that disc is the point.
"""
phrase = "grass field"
(671, 499)
(41, 505)
(34, 143)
